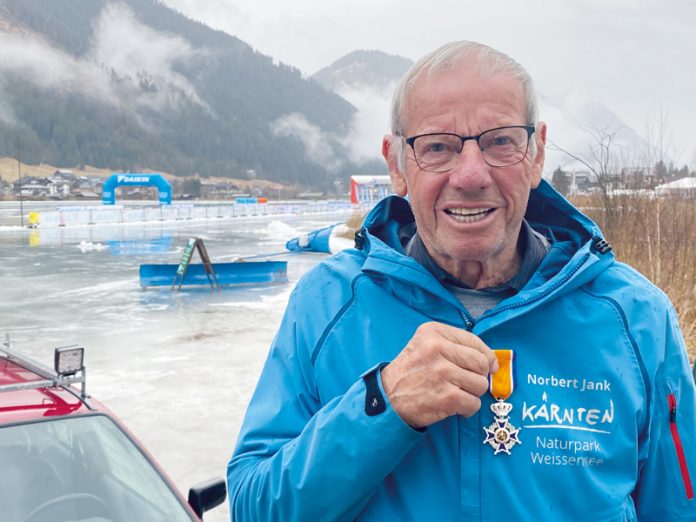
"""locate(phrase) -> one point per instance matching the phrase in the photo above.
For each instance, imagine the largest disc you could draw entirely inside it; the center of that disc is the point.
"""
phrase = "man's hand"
(442, 371)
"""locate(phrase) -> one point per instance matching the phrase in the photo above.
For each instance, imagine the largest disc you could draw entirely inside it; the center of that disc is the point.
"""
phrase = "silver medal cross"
(501, 435)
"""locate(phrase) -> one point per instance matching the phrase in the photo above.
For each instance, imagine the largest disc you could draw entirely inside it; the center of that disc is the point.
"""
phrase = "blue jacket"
(604, 398)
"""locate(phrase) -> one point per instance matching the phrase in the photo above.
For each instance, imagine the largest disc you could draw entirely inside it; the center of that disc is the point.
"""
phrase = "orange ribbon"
(502, 383)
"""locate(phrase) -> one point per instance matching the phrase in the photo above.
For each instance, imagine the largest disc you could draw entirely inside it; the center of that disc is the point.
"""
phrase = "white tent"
(685, 187)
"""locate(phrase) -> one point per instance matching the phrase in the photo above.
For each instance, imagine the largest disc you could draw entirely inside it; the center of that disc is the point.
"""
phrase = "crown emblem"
(501, 408)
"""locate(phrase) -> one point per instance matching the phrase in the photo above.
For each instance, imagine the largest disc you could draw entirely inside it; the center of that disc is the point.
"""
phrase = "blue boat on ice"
(227, 274)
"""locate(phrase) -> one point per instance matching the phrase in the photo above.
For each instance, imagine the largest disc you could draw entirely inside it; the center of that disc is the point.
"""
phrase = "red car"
(65, 457)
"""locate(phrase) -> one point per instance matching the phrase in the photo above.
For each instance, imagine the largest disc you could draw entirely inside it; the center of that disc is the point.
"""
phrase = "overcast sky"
(635, 56)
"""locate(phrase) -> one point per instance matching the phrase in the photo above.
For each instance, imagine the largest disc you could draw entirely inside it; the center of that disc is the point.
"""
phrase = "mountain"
(583, 129)
(134, 85)
(367, 79)
(576, 125)
(359, 69)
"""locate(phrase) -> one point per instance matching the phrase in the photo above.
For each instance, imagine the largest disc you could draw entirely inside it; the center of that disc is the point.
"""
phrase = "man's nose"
(471, 172)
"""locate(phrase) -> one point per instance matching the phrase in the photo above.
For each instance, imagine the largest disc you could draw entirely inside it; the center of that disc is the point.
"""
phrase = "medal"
(502, 435)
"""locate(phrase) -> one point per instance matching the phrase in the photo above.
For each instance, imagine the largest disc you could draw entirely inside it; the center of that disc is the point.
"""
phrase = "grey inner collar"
(532, 246)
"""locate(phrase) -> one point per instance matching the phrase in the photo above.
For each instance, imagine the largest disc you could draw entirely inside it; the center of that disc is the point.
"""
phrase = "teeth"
(467, 211)
(468, 215)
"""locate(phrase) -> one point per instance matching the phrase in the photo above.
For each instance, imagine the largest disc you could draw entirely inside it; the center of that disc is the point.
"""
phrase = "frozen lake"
(177, 367)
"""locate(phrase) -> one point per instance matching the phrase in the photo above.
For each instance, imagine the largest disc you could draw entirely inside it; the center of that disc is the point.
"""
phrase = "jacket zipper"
(543, 294)
(470, 323)
(672, 401)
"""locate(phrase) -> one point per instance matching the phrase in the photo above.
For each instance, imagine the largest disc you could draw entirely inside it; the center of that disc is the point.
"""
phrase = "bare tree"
(601, 160)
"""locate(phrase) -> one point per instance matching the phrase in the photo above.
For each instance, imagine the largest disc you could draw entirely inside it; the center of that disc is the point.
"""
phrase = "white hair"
(487, 60)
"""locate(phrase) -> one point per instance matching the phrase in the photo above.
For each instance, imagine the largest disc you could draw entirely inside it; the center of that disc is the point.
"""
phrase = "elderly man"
(480, 355)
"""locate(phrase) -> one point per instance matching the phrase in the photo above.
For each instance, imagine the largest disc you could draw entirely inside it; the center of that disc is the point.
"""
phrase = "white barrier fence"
(95, 215)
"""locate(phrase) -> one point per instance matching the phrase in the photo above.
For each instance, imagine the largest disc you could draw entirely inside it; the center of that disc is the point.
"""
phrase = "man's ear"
(538, 161)
(390, 152)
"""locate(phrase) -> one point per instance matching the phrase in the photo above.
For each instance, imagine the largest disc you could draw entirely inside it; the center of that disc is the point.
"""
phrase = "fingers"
(442, 371)
(464, 348)
(471, 382)
(455, 401)
(466, 404)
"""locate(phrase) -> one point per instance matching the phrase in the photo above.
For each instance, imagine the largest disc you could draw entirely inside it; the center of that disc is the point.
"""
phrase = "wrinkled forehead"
(456, 81)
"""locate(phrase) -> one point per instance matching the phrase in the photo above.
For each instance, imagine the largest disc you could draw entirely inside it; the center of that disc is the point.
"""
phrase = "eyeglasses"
(500, 147)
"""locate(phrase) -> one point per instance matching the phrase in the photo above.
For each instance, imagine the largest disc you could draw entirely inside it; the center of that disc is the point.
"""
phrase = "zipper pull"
(467, 322)
(672, 400)
(672, 403)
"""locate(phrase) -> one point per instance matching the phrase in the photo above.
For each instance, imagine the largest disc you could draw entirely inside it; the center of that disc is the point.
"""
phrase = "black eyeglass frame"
(529, 128)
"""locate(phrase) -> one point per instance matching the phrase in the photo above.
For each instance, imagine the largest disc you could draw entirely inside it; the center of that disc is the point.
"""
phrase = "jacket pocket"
(679, 449)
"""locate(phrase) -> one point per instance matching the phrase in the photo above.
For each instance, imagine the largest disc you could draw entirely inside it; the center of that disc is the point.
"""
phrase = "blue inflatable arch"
(164, 188)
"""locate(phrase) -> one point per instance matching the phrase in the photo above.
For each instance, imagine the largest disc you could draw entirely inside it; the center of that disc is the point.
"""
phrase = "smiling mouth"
(468, 215)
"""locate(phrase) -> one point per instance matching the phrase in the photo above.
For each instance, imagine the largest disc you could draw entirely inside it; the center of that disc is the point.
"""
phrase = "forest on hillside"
(219, 119)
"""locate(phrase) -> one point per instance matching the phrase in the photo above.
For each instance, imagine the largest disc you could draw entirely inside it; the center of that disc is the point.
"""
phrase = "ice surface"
(177, 367)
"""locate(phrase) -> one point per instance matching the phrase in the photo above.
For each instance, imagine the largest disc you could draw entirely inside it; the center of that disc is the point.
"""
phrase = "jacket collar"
(573, 258)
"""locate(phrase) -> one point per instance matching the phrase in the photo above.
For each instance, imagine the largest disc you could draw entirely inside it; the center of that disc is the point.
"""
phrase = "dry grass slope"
(656, 237)
(8, 172)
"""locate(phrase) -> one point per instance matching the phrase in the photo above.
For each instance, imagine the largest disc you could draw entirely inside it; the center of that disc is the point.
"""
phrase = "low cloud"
(317, 144)
(582, 126)
(370, 123)
(34, 59)
(363, 141)
(120, 45)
